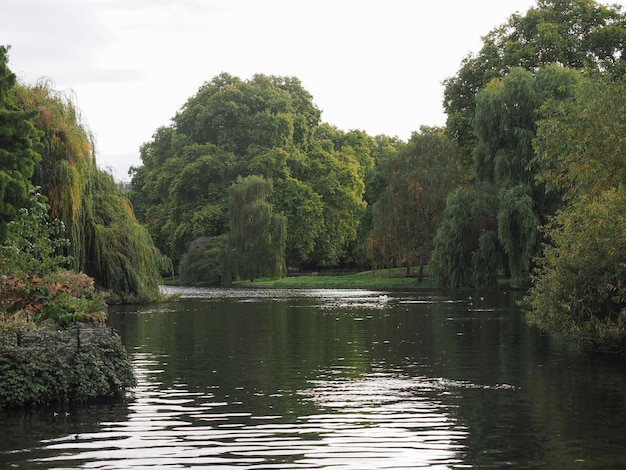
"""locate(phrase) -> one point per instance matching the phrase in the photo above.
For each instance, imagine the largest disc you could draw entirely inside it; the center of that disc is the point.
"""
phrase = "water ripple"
(377, 421)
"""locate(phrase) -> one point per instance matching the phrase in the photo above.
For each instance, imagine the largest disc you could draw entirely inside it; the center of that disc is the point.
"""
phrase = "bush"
(61, 299)
(39, 367)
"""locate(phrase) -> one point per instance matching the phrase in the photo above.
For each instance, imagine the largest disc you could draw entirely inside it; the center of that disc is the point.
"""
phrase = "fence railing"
(78, 335)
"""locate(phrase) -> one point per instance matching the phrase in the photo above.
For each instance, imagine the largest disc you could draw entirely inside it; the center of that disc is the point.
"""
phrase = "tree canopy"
(578, 34)
(268, 127)
(408, 210)
(579, 289)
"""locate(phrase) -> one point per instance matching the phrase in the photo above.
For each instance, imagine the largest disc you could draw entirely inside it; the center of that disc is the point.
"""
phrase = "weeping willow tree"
(120, 254)
(106, 241)
(68, 161)
(256, 242)
(507, 111)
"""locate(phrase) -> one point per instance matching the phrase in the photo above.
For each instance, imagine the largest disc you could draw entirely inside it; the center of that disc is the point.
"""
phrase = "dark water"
(337, 379)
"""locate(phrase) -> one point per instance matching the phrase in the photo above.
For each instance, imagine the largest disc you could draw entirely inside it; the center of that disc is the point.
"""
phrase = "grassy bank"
(384, 278)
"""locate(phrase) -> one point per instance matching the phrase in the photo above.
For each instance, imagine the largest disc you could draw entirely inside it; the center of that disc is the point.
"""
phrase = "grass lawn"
(384, 278)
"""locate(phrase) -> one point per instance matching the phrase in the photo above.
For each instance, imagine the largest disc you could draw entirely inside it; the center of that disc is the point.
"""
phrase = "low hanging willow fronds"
(106, 240)
(122, 256)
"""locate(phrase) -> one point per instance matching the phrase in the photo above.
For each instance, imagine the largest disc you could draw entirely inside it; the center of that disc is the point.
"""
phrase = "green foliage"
(256, 241)
(303, 208)
(579, 34)
(34, 245)
(203, 263)
(18, 145)
(106, 241)
(122, 257)
(409, 209)
(266, 126)
(50, 366)
(579, 288)
(266, 111)
(60, 299)
(465, 252)
(507, 111)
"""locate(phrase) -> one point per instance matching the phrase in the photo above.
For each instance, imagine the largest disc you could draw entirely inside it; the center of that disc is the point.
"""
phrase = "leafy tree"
(385, 149)
(266, 126)
(504, 164)
(106, 241)
(579, 287)
(18, 147)
(466, 248)
(256, 241)
(578, 34)
(337, 177)
(121, 255)
(203, 262)
(407, 213)
(266, 111)
(303, 209)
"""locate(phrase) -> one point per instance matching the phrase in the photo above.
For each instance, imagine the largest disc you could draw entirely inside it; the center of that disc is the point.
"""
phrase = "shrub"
(44, 366)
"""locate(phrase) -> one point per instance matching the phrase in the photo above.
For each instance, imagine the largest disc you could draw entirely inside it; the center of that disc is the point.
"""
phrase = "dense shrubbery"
(44, 366)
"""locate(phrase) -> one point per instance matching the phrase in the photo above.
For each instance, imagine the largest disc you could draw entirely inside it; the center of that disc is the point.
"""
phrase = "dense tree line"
(524, 182)
(491, 196)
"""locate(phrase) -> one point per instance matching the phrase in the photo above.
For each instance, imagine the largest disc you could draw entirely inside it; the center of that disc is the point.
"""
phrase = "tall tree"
(265, 126)
(505, 124)
(106, 241)
(580, 287)
(406, 215)
(579, 34)
(256, 241)
(18, 147)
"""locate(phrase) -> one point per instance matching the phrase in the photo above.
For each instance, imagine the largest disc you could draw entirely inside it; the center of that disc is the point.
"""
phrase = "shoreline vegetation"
(394, 278)
(76, 364)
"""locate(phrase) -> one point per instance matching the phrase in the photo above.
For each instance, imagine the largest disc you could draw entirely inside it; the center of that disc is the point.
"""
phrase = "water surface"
(345, 379)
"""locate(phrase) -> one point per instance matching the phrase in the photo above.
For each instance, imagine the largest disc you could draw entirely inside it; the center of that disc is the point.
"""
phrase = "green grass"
(384, 278)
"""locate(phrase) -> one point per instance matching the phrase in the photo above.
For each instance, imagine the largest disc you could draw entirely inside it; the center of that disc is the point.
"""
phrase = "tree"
(267, 111)
(336, 175)
(203, 262)
(407, 213)
(106, 241)
(580, 287)
(269, 127)
(303, 209)
(466, 248)
(256, 241)
(579, 290)
(504, 164)
(578, 34)
(18, 147)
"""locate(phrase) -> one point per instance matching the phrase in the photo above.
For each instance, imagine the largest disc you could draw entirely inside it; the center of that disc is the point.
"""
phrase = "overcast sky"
(131, 64)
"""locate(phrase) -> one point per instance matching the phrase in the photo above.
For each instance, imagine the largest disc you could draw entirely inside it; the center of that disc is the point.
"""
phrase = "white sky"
(375, 65)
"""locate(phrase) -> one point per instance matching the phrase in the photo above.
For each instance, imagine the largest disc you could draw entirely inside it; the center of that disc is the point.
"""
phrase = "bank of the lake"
(379, 279)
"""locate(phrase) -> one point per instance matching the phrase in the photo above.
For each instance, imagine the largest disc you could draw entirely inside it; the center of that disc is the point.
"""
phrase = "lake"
(337, 379)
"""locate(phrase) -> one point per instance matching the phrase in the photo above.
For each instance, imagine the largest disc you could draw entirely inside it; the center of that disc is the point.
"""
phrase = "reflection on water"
(379, 421)
(345, 379)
